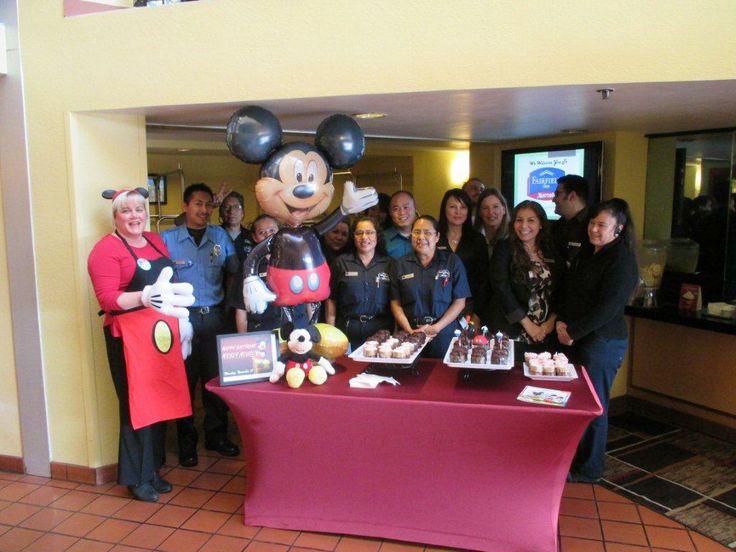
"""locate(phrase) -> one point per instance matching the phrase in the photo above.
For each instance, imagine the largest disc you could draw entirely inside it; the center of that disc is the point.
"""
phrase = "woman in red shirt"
(130, 272)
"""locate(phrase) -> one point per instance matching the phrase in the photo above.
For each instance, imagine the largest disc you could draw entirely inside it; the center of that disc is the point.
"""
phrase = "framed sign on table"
(247, 357)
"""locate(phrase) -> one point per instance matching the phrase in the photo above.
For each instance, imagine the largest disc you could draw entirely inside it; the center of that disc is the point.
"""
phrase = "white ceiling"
(490, 115)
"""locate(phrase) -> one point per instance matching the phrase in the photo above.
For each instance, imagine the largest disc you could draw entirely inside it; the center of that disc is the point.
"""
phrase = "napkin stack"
(371, 381)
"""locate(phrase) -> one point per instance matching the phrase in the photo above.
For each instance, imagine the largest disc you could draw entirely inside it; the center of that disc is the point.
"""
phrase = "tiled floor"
(204, 513)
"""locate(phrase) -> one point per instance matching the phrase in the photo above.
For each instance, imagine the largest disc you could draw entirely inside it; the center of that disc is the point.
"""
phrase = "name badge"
(144, 264)
(262, 274)
(407, 276)
(574, 244)
(348, 273)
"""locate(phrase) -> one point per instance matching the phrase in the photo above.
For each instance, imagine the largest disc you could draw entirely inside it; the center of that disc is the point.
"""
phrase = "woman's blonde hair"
(122, 199)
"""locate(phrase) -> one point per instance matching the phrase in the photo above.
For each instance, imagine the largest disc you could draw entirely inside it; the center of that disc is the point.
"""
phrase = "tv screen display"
(532, 173)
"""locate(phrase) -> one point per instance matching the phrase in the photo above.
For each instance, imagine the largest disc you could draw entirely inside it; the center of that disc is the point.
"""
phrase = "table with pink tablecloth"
(438, 460)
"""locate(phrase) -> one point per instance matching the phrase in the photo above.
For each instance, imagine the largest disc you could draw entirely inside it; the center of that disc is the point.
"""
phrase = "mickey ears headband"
(112, 194)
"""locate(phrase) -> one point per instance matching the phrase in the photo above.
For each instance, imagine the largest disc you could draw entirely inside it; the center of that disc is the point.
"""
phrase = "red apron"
(157, 380)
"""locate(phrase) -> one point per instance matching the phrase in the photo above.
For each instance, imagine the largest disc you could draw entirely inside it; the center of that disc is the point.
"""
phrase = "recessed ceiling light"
(183, 150)
(572, 130)
(373, 115)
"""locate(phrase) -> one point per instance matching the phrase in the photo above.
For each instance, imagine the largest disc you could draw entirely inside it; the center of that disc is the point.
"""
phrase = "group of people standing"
(548, 286)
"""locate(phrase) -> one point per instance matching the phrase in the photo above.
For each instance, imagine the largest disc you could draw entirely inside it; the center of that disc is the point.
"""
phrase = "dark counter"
(672, 315)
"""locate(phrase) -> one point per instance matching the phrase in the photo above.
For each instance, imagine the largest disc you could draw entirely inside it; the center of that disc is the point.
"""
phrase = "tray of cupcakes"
(386, 348)
(479, 352)
(546, 366)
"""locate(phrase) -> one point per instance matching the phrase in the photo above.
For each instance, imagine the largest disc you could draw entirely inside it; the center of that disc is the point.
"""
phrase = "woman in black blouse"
(458, 236)
(524, 274)
(597, 287)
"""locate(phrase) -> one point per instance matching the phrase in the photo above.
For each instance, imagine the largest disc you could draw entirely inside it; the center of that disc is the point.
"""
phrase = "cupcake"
(370, 350)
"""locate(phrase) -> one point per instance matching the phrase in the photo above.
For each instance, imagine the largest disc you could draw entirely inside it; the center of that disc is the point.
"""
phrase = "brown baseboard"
(12, 463)
(681, 419)
(83, 474)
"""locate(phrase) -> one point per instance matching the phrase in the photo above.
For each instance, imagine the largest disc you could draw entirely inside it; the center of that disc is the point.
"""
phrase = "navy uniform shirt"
(397, 245)
(359, 290)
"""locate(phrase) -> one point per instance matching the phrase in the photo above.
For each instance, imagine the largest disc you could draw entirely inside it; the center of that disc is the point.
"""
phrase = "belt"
(204, 310)
(366, 317)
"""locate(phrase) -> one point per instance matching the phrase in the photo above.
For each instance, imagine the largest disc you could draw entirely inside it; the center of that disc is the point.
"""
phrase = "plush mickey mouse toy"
(298, 362)
(295, 186)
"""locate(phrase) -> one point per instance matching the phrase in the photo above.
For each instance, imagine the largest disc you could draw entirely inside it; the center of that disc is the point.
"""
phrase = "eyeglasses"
(233, 207)
(365, 233)
(425, 233)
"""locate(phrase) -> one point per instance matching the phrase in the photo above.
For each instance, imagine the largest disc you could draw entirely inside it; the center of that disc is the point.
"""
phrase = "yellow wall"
(242, 51)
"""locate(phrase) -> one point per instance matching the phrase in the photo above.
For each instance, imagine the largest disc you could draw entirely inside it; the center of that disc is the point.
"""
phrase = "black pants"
(357, 332)
(202, 366)
(141, 452)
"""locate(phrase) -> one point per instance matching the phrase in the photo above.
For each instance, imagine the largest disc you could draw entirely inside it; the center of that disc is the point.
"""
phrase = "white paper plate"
(357, 355)
(477, 366)
(572, 376)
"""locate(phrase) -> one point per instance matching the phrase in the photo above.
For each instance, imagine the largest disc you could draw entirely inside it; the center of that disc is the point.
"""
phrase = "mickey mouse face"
(295, 184)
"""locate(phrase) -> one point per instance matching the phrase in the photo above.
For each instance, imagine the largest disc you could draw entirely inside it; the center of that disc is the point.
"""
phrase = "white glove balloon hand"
(186, 334)
(256, 295)
(167, 298)
(355, 200)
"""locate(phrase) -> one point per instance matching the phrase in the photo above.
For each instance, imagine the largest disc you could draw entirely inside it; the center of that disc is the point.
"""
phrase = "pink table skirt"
(437, 460)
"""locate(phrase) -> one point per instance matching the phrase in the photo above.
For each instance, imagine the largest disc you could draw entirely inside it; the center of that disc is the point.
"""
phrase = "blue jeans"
(602, 358)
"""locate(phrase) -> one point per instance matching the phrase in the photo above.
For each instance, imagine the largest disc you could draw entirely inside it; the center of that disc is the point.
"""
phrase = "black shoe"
(144, 492)
(225, 447)
(188, 458)
(577, 477)
(161, 485)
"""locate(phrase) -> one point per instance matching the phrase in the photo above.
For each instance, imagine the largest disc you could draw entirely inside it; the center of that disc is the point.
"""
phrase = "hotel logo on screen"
(542, 183)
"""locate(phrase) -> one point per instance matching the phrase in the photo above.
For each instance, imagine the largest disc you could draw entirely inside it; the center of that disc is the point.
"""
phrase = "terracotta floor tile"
(18, 538)
(211, 481)
(10, 476)
(571, 544)
(318, 541)
(138, 511)
(625, 533)
(278, 536)
(358, 544)
(16, 490)
(184, 541)
(235, 527)
(62, 484)
(649, 517)
(235, 485)
(36, 480)
(617, 511)
(120, 490)
(74, 500)
(221, 543)
(181, 476)
(125, 548)
(105, 505)
(605, 495)
(78, 525)
(227, 466)
(44, 496)
(224, 502)
(113, 530)
(4, 528)
(666, 537)
(105, 488)
(193, 498)
(255, 546)
(46, 519)
(206, 521)
(573, 526)
(171, 516)
(148, 536)
(618, 547)
(578, 507)
(52, 542)
(17, 512)
(5, 504)
(578, 490)
(85, 545)
(393, 546)
(704, 544)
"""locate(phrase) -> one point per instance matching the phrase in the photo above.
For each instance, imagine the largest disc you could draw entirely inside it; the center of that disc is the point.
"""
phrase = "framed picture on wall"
(157, 188)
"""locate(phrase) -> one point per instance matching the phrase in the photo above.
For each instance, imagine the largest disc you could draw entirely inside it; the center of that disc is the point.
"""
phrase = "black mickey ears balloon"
(253, 133)
(341, 139)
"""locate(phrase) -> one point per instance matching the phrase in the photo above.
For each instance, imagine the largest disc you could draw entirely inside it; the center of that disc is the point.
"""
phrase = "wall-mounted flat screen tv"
(532, 173)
